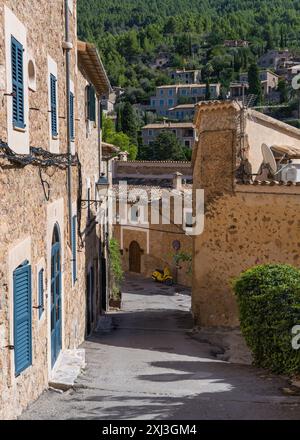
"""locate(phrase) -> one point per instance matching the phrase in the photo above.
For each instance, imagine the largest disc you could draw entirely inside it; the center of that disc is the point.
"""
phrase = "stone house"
(51, 254)
(173, 95)
(250, 217)
(184, 131)
(148, 244)
(269, 81)
(186, 76)
(182, 112)
(274, 59)
(236, 43)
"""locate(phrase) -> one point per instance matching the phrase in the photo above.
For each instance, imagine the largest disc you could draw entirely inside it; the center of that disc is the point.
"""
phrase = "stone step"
(69, 366)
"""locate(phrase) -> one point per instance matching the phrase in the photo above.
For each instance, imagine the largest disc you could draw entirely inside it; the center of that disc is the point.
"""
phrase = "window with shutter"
(22, 318)
(74, 249)
(41, 292)
(53, 98)
(17, 83)
(91, 103)
(72, 125)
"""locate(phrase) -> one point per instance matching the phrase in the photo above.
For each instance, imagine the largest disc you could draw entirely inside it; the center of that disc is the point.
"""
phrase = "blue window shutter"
(53, 97)
(41, 291)
(72, 128)
(74, 249)
(22, 318)
(17, 83)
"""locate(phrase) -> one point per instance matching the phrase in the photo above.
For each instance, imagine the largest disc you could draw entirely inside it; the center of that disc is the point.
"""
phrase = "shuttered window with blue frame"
(53, 98)
(74, 249)
(41, 292)
(91, 103)
(72, 122)
(22, 318)
(17, 83)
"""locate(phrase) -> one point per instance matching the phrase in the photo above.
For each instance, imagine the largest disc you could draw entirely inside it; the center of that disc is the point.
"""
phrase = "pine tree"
(119, 120)
(129, 125)
(254, 82)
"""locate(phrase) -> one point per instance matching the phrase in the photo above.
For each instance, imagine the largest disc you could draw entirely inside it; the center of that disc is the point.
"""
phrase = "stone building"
(148, 244)
(250, 218)
(184, 131)
(186, 76)
(51, 255)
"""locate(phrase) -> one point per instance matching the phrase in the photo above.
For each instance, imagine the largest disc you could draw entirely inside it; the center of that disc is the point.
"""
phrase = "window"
(189, 221)
(153, 103)
(161, 92)
(184, 92)
(41, 292)
(150, 133)
(17, 83)
(72, 122)
(187, 144)
(91, 103)
(134, 214)
(22, 317)
(171, 102)
(161, 102)
(171, 92)
(53, 93)
(74, 249)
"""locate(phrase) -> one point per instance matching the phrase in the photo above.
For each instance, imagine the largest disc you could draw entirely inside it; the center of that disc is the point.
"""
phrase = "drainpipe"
(68, 47)
(99, 136)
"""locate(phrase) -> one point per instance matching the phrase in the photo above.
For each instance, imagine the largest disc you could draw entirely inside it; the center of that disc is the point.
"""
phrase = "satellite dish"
(269, 159)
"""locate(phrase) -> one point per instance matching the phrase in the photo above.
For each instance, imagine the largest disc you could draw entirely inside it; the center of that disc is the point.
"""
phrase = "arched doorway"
(55, 296)
(135, 257)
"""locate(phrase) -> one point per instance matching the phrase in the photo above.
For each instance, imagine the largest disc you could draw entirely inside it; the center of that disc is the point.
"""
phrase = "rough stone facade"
(34, 199)
(245, 225)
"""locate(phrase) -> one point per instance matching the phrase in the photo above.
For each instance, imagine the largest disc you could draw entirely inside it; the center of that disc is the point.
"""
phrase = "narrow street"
(148, 367)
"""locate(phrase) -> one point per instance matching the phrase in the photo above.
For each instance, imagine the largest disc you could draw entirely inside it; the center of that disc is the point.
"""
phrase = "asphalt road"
(148, 367)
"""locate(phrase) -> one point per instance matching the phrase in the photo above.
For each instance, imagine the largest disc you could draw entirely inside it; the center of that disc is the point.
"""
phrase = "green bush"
(115, 267)
(269, 304)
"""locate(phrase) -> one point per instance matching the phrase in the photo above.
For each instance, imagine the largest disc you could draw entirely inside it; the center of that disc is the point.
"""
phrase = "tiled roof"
(169, 125)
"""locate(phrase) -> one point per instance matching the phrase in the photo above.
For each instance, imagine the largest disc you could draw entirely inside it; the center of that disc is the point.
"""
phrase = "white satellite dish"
(269, 159)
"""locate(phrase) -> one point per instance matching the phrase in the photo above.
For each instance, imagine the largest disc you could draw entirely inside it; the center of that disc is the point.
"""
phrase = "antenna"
(269, 159)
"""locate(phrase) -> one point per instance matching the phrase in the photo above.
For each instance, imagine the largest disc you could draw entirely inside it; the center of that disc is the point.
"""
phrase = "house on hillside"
(53, 251)
(269, 82)
(172, 95)
(236, 43)
(184, 131)
(186, 76)
(182, 112)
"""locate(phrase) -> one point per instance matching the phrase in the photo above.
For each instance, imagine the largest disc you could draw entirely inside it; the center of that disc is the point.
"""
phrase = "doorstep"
(68, 367)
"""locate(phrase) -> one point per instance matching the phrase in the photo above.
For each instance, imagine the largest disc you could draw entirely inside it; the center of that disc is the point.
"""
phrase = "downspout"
(68, 47)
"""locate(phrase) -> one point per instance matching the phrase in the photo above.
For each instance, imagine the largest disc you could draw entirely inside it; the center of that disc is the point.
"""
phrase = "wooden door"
(135, 257)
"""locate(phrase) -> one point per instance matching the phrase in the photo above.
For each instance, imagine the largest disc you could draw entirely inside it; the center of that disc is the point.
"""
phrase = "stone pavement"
(148, 367)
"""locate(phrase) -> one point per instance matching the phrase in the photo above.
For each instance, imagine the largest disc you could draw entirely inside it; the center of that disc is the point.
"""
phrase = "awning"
(291, 152)
(90, 60)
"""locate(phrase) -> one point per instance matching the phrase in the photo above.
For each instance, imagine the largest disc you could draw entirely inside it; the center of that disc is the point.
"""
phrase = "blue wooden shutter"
(41, 291)
(53, 96)
(74, 249)
(22, 318)
(17, 83)
(72, 128)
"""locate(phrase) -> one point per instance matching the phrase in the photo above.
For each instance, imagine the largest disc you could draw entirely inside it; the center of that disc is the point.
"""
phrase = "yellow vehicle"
(164, 276)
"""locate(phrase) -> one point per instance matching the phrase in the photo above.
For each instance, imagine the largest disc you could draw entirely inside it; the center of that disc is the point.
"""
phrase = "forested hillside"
(129, 33)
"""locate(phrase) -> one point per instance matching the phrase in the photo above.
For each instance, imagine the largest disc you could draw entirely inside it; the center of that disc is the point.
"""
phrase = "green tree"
(254, 82)
(166, 147)
(129, 123)
(207, 91)
(119, 120)
(283, 90)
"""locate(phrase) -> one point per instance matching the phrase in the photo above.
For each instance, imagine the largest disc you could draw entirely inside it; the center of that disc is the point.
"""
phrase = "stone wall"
(33, 200)
(245, 225)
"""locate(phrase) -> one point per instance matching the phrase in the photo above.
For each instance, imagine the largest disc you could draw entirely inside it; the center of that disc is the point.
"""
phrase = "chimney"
(177, 181)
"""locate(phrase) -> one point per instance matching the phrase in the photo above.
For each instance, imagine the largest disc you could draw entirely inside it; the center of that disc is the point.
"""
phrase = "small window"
(171, 102)
(162, 103)
(17, 54)
(41, 292)
(150, 133)
(134, 214)
(187, 144)
(171, 92)
(161, 92)
(189, 221)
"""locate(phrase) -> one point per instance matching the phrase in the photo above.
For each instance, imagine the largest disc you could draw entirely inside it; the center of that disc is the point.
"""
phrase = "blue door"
(55, 297)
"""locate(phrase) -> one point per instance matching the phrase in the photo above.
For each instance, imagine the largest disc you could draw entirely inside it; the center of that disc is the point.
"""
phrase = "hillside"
(130, 33)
